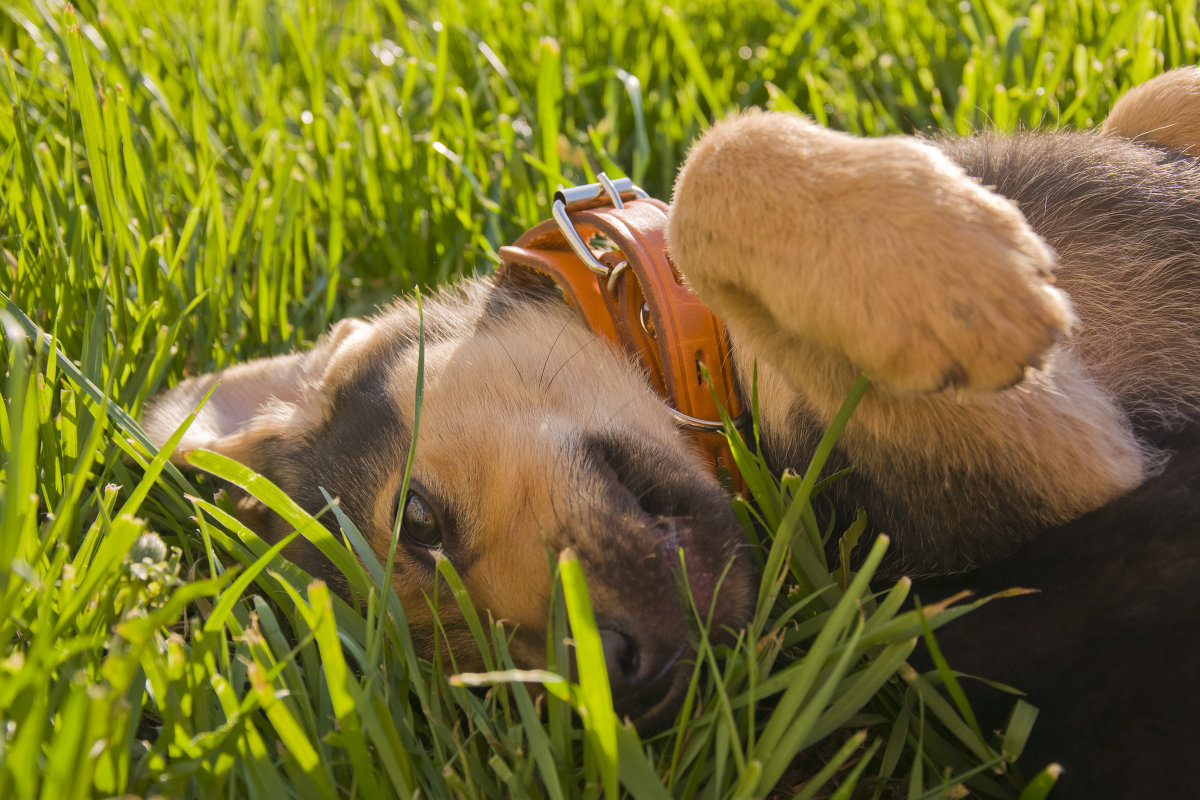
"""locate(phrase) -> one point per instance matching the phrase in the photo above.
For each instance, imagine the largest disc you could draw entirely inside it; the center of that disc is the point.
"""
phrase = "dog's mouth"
(681, 568)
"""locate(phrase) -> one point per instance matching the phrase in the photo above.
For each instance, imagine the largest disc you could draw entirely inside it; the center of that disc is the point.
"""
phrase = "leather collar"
(632, 295)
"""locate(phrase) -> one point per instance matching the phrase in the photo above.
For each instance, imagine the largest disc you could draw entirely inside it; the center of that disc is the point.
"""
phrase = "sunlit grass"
(186, 185)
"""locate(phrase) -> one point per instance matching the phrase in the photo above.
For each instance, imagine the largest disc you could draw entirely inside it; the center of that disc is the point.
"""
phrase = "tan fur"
(1164, 112)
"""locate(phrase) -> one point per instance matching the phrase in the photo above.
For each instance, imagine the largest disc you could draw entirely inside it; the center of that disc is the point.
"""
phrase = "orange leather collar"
(641, 305)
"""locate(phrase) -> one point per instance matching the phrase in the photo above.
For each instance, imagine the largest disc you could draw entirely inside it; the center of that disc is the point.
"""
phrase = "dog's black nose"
(641, 673)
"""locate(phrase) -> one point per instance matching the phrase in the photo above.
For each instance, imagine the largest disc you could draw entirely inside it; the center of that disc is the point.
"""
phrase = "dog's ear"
(283, 396)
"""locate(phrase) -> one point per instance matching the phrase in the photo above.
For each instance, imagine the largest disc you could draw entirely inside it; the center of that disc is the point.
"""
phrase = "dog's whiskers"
(513, 361)
(569, 359)
(550, 352)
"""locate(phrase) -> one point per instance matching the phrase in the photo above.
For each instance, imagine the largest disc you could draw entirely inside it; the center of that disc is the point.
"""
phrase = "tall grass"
(186, 185)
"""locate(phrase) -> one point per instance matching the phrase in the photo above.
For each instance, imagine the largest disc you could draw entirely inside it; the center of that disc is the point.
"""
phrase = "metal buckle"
(569, 196)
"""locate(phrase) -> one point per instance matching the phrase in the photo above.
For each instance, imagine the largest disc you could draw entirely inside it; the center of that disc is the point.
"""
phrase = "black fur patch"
(1106, 648)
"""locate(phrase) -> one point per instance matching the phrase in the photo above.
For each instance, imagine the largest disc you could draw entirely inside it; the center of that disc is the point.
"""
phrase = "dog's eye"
(420, 523)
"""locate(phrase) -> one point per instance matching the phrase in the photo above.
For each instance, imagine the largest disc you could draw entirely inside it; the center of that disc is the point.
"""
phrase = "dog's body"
(990, 436)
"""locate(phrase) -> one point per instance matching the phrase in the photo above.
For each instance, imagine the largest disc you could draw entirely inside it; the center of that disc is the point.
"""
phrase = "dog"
(1028, 311)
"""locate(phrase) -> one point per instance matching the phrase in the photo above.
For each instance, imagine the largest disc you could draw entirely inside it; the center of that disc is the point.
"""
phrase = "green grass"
(186, 185)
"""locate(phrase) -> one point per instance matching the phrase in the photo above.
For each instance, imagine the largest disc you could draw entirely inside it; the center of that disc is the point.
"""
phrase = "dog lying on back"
(1028, 309)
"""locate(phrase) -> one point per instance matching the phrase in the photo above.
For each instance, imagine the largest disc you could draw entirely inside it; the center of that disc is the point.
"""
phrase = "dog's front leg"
(829, 255)
(878, 249)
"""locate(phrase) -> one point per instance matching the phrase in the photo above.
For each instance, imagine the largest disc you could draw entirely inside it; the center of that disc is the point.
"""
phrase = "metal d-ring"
(706, 425)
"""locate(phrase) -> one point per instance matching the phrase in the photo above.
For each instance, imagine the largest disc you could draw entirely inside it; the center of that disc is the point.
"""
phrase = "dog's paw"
(1164, 112)
(879, 249)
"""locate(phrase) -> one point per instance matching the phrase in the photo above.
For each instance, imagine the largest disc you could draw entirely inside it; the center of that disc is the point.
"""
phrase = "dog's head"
(534, 436)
